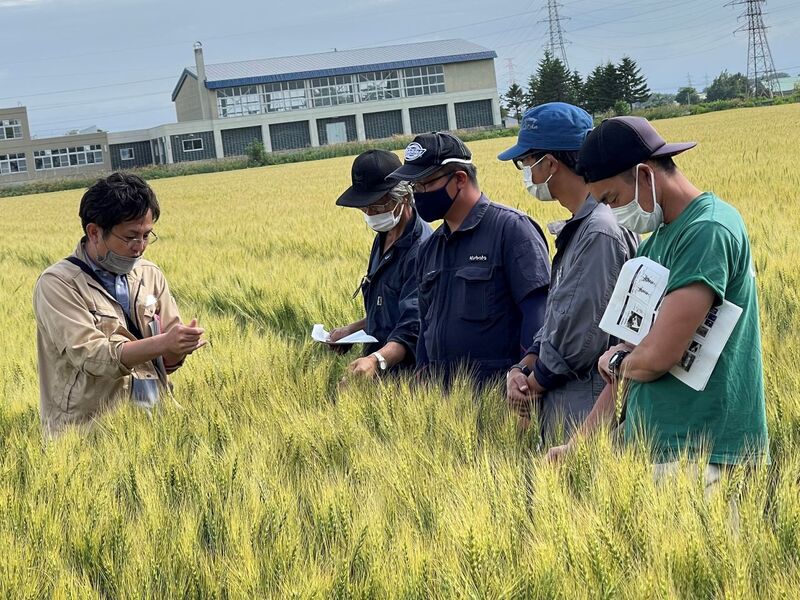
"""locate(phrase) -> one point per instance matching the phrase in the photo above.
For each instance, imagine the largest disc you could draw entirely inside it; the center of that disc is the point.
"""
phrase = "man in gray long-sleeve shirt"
(560, 368)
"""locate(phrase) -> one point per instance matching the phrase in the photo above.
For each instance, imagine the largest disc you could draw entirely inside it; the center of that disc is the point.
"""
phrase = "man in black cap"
(390, 285)
(703, 242)
(483, 274)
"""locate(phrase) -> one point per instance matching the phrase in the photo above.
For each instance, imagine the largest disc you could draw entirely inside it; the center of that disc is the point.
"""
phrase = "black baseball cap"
(621, 143)
(428, 153)
(368, 174)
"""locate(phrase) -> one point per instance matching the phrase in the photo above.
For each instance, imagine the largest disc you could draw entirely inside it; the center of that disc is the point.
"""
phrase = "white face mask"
(385, 221)
(540, 191)
(633, 217)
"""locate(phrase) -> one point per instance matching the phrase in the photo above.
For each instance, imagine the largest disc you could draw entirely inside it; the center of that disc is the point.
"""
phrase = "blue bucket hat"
(551, 126)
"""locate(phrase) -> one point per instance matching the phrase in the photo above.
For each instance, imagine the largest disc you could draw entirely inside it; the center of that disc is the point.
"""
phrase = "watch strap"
(522, 367)
(381, 361)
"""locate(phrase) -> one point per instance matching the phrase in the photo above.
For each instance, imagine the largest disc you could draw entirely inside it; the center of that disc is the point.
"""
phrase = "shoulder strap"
(132, 327)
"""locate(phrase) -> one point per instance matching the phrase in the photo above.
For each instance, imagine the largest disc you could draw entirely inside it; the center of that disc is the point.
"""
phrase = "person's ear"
(554, 164)
(93, 232)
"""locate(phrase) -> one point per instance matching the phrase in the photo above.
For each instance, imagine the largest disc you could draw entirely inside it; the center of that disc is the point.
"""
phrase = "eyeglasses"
(377, 209)
(133, 242)
(519, 162)
(420, 187)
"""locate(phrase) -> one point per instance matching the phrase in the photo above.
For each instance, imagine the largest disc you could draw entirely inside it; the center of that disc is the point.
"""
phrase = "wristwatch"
(524, 368)
(381, 361)
(615, 362)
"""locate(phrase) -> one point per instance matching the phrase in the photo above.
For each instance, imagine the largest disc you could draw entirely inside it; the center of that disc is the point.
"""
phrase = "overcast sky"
(131, 52)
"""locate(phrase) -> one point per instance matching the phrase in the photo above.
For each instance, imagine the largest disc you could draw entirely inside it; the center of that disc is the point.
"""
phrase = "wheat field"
(261, 480)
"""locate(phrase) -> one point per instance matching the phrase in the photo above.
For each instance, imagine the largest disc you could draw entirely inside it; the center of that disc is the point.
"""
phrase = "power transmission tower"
(553, 20)
(512, 75)
(760, 67)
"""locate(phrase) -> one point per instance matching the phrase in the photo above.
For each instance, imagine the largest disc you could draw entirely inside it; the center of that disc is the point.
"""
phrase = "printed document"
(633, 309)
(318, 334)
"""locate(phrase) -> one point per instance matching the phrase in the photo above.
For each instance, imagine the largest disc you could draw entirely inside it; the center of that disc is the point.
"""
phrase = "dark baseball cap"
(428, 153)
(620, 143)
(368, 174)
(550, 127)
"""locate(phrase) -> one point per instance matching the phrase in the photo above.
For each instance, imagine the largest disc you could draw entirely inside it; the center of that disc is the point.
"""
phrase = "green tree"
(657, 99)
(632, 84)
(533, 84)
(727, 86)
(687, 95)
(553, 82)
(578, 98)
(602, 89)
(514, 100)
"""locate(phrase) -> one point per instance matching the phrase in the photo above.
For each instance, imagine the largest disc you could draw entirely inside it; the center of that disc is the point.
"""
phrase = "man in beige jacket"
(108, 330)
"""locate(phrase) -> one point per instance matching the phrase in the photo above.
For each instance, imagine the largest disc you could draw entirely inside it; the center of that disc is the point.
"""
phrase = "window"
(60, 158)
(193, 145)
(382, 85)
(332, 91)
(261, 99)
(13, 163)
(10, 129)
(287, 95)
(424, 81)
(126, 154)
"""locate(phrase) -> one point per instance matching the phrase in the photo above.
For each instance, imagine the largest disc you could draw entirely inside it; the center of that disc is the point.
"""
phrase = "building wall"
(429, 118)
(235, 141)
(350, 125)
(20, 113)
(477, 113)
(28, 147)
(187, 102)
(469, 76)
(384, 124)
(208, 151)
(142, 155)
(290, 136)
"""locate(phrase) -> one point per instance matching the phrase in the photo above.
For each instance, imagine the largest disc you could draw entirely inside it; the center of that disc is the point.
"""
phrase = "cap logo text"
(530, 123)
(414, 151)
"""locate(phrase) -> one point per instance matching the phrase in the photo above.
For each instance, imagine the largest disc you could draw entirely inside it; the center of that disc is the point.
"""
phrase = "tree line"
(608, 87)
(617, 88)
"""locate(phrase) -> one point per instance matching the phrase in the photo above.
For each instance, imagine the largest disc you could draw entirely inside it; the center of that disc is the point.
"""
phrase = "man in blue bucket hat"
(560, 368)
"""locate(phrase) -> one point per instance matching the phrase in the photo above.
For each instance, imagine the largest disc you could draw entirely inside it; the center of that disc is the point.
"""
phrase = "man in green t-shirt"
(703, 242)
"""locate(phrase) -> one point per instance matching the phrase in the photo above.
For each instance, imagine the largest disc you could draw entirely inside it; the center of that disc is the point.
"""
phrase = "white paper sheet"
(319, 334)
(633, 309)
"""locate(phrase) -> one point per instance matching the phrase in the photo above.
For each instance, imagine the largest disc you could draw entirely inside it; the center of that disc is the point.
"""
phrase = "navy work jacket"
(471, 284)
(390, 290)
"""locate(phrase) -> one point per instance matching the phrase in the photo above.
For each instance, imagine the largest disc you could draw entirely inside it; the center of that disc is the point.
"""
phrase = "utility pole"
(760, 67)
(691, 87)
(556, 43)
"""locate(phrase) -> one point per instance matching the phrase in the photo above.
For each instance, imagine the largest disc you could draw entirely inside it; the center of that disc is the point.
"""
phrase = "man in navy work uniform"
(390, 285)
(591, 247)
(483, 274)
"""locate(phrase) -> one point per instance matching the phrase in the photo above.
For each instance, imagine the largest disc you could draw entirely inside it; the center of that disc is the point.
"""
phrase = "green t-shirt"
(708, 243)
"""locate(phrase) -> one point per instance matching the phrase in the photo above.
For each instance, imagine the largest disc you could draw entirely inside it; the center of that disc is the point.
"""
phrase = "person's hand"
(557, 454)
(602, 364)
(366, 366)
(336, 335)
(518, 394)
(184, 339)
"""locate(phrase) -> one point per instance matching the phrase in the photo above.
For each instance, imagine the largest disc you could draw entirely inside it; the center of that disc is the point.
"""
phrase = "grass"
(262, 480)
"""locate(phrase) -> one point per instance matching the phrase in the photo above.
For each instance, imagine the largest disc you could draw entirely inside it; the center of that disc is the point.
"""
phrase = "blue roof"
(344, 62)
